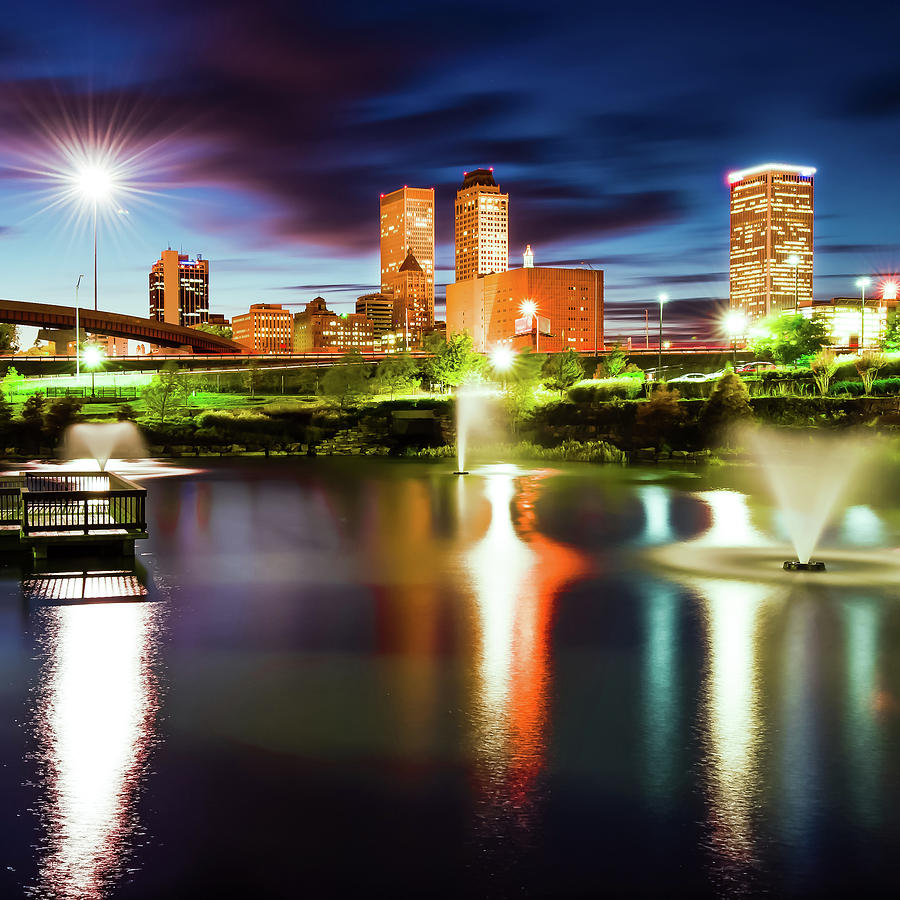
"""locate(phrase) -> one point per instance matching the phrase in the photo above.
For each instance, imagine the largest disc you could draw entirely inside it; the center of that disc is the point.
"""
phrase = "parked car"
(756, 367)
(690, 376)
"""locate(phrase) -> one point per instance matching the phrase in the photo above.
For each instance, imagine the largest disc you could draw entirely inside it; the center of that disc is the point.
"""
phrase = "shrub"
(727, 407)
(658, 418)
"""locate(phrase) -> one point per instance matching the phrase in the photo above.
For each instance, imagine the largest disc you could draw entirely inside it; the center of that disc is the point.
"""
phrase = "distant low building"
(266, 328)
(380, 309)
(318, 328)
(846, 325)
(546, 308)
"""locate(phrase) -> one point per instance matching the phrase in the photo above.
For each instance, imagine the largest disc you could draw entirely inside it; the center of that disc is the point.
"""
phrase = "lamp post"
(794, 261)
(77, 333)
(662, 302)
(528, 308)
(735, 325)
(93, 357)
(95, 183)
(862, 284)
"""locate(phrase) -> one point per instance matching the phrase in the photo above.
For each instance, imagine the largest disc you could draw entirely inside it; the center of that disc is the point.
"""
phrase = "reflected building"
(94, 726)
(516, 575)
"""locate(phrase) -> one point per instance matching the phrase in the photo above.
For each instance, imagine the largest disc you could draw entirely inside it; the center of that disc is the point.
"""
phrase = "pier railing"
(11, 500)
(81, 503)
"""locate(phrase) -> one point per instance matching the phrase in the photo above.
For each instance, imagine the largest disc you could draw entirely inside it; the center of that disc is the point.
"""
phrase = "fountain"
(101, 441)
(807, 479)
(468, 406)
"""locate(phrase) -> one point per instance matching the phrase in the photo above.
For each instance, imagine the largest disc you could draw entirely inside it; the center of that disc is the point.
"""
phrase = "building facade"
(481, 226)
(849, 326)
(380, 309)
(771, 261)
(179, 289)
(568, 305)
(266, 328)
(317, 328)
(407, 226)
(413, 314)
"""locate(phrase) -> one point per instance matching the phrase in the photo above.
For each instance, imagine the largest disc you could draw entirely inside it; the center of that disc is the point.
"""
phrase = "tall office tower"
(482, 226)
(179, 289)
(407, 225)
(413, 315)
(771, 238)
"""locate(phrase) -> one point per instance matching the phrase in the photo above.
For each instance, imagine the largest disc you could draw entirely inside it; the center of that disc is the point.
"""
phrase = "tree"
(224, 331)
(12, 382)
(868, 365)
(562, 370)
(126, 413)
(787, 337)
(33, 417)
(657, 419)
(454, 361)
(346, 380)
(60, 415)
(9, 339)
(823, 366)
(727, 407)
(252, 376)
(616, 362)
(522, 380)
(166, 394)
(6, 411)
(890, 343)
(396, 372)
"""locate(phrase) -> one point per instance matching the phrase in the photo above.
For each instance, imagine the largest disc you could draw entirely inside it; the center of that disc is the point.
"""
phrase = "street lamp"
(528, 309)
(862, 284)
(93, 358)
(77, 335)
(96, 184)
(663, 298)
(502, 358)
(735, 326)
(794, 261)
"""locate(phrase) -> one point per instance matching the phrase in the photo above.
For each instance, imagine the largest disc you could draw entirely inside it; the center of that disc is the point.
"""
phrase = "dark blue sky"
(262, 134)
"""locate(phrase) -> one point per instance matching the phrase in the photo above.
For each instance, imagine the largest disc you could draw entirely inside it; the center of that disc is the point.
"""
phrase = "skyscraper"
(179, 289)
(407, 225)
(771, 238)
(412, 314)
(481, 226)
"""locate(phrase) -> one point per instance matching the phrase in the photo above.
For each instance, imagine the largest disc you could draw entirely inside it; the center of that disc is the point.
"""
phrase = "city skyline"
(631, 179)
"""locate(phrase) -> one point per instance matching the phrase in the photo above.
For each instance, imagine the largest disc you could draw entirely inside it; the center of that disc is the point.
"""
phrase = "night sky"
(261, 135)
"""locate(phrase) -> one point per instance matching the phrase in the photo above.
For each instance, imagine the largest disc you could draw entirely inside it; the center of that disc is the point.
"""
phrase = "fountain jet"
(102, 441)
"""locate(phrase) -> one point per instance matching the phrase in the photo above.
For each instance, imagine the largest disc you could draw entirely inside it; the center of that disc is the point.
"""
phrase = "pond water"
(371, 676)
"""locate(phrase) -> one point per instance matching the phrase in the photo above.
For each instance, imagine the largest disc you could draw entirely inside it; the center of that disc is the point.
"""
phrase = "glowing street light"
(96, 183)
(794, 262)
(663, 299)
(502, 358)
(862, 284)
(528, 310)
(93, 359)
(889, 290)
(735, 323)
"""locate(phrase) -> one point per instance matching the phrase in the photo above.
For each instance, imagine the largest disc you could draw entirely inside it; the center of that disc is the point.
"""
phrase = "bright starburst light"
(889, 290)
(528, 308)
(502, 358)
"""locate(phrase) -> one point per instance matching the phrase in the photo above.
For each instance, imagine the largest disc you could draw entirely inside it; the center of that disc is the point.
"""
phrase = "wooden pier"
(79, 511)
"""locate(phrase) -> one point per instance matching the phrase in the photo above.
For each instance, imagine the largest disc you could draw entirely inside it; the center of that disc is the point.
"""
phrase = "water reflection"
(733, 721)
(516, 574)
(661, 696)
(93, 723)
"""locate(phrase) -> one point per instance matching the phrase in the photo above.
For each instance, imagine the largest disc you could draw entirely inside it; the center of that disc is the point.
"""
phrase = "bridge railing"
(82, 502)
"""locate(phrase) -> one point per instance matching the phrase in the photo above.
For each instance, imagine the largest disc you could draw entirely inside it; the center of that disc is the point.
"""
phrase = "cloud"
(875, 96)
(856, 248)
(331, 288)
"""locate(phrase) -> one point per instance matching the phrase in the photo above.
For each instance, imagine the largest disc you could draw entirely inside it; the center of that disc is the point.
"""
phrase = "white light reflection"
(733, 716)
(731, 525)
(661, 695)
(656, 501)
(94, 725)
(862, 527)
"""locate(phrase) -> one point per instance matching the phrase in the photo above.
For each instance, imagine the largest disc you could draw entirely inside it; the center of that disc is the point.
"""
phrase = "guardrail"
(81, 502)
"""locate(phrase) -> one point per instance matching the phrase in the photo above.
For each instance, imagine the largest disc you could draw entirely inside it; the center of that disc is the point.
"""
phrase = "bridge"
(46, 315)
